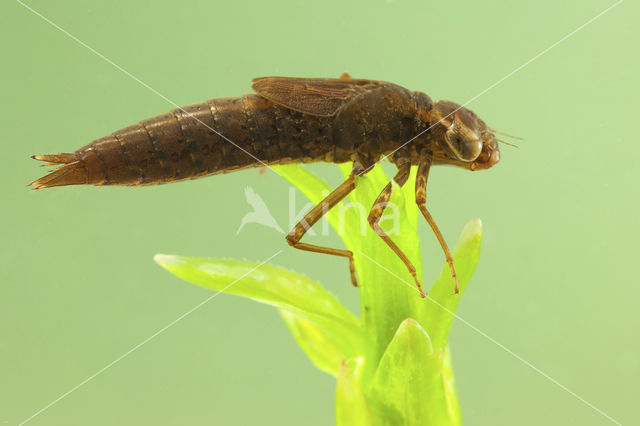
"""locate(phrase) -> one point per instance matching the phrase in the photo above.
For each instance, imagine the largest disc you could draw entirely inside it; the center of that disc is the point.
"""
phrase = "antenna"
(506, 134)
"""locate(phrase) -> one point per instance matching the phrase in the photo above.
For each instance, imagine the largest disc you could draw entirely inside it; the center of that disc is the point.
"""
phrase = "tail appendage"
(72, 171)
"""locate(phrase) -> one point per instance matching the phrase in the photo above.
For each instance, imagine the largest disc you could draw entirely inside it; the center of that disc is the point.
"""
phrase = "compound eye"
(464, 148)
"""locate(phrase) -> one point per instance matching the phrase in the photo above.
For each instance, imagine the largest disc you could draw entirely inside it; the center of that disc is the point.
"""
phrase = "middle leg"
(404, 169)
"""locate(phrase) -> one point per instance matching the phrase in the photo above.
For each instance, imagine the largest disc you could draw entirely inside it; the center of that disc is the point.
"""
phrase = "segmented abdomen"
(217, 136)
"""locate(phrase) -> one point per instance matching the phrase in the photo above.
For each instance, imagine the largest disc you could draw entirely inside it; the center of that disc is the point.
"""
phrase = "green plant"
(392, 365)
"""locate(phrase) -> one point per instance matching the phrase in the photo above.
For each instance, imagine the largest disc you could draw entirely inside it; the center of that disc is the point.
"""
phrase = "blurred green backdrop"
(557, 280)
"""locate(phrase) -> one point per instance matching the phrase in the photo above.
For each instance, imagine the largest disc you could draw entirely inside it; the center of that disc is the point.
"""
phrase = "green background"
(557, 281)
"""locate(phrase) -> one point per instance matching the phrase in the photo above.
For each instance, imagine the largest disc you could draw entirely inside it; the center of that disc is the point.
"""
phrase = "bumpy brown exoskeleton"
(292, 120)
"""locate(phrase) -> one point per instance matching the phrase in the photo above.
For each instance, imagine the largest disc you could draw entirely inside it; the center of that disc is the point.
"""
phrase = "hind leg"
(316, 213)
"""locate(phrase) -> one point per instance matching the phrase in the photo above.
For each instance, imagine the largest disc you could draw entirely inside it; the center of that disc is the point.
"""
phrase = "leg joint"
(291, 239)
(374, 214)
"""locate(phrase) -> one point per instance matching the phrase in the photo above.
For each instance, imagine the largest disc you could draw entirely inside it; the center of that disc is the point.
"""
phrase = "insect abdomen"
(217, 136)
(177, 145)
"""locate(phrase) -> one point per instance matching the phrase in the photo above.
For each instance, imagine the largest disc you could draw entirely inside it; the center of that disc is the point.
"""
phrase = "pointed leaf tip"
(317, 317)
(167, 260)
(439, 309)
(407, 386)
(473, 229)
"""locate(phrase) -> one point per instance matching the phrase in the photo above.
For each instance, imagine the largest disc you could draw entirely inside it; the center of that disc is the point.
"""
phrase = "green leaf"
(386, 300)
(408, 386)
(451, 394)
(441, 304)
(352, 409)
(275, 286)
(308, 183)
(390, 367)
(319, 345)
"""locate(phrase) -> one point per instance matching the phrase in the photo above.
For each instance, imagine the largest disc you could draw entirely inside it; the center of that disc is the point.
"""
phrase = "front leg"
(421, 200)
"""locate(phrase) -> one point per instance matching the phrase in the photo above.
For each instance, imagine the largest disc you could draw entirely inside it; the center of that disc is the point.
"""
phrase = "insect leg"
(421, 200)
(298, 231)
(375, 214)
